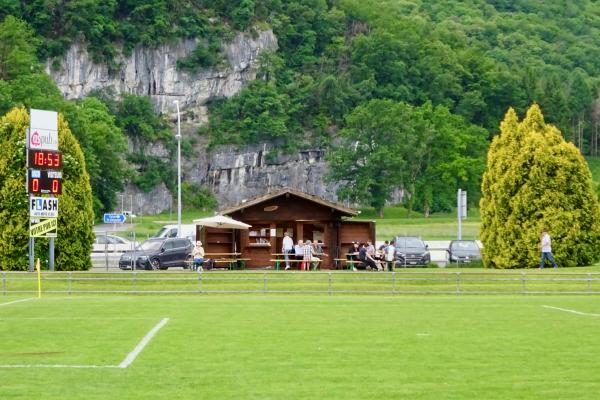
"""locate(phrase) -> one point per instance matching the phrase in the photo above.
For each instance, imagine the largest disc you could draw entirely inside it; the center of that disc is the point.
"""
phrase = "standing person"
(390, 255)
(546, 249)
(307, 252)
(287, 248)
(317, 252)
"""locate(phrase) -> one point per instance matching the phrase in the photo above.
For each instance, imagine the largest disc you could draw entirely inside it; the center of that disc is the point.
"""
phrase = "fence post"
(458, 282)
(265, 282)
(4, 283)
(329, 284)
(589, 282)
(393, 282)
(523, 279)
(69, 282)
(200, 282)
(134, 281)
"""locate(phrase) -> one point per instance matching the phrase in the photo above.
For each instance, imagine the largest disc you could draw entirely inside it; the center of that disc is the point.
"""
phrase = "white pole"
(459, 213)
(178, 170)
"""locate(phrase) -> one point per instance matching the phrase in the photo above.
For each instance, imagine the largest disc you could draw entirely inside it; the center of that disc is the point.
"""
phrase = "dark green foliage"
(425, 151)
(151, 171)
(196, 197)
(75, 237)
(17, 48)
(104, 146)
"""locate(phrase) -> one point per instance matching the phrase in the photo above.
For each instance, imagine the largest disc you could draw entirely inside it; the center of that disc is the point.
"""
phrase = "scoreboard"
(44, 182)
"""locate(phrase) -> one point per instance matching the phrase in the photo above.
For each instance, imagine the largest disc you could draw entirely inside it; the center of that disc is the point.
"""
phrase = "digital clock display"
(45, 159)
(44, 182)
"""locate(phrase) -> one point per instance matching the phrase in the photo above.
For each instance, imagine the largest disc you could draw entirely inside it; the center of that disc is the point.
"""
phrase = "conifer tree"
(534, 179)
(74, 241)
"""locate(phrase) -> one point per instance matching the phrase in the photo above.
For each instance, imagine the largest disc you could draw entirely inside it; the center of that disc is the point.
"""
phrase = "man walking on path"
(287, 248)
(546, 248)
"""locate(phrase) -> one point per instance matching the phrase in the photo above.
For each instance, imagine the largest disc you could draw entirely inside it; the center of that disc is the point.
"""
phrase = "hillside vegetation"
(453, 67)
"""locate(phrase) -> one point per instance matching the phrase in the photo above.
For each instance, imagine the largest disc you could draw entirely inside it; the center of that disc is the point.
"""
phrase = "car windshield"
(161, 232)
(409, 242)
(151, 245)
(467, 245)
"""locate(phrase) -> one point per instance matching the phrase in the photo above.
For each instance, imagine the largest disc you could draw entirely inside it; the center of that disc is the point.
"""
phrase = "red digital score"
(44, 182)
(45, 159)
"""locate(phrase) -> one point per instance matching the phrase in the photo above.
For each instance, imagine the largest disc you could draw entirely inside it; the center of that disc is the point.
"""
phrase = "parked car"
(463, 251)
(112, 244)
(159, 253)
(411, 251)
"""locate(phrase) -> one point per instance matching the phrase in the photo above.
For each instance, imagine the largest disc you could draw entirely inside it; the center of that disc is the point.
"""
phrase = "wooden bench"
(279, 261)
(348, 263)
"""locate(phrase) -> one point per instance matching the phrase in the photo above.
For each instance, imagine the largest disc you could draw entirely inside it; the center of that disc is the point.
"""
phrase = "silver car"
(112, 244)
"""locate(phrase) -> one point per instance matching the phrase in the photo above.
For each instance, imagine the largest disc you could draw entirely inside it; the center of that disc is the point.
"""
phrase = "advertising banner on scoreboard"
(43, 130)
(44, 228)
(43, 207)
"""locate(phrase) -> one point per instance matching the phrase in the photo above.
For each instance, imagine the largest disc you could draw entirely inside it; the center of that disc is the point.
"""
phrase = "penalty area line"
(124, 364)
(140, 346)
(572, 311)
(16, 301)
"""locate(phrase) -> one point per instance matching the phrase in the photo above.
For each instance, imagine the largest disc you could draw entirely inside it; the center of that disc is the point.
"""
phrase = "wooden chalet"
(303, 216)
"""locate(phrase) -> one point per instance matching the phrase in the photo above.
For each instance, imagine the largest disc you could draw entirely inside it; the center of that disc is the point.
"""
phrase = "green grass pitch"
(301, 347)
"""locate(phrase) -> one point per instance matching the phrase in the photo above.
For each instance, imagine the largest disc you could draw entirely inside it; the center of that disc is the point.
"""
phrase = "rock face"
(232, 174)
(153, 72)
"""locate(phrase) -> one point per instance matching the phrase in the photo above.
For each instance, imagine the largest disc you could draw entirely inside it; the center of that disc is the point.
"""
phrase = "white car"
(112, 244)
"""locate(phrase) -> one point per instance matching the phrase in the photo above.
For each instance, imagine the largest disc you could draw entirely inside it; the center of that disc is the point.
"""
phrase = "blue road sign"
(114, 218)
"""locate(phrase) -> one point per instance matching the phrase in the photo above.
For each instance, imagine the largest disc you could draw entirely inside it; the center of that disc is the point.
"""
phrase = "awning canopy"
(221, 221)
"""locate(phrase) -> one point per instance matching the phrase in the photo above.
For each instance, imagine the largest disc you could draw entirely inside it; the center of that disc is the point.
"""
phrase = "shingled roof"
(336, 206)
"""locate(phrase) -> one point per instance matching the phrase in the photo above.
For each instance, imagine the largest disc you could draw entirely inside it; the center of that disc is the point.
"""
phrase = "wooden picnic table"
(231, 259)
(278, 260)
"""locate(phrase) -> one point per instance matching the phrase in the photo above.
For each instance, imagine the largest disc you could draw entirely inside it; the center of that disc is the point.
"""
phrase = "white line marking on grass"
(124, 364)
(145, 340)
(16, 301)
(572, 311)
(57, 366)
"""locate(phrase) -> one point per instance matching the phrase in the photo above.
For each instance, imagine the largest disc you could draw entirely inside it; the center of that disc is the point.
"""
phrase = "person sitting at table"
(364, 256)
(317, 253)
(299, 250)
(198, 255)
(353, 252)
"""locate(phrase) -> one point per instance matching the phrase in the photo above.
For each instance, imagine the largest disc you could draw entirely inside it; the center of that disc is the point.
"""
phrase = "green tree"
(535, 179)
(104, 147)
(368, 162)
(17, 48)
(75, 236)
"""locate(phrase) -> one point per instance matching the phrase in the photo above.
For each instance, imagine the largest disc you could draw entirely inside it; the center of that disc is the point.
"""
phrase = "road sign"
(114, 218)
(46, 207)
(45, 228)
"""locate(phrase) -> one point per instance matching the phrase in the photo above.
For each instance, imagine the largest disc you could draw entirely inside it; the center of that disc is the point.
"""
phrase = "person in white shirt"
(287, 248)
(390, 256)
(546, 249)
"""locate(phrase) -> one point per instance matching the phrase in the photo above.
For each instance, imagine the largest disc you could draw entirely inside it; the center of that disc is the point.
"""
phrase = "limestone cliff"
(153, 72)
(232, 174)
